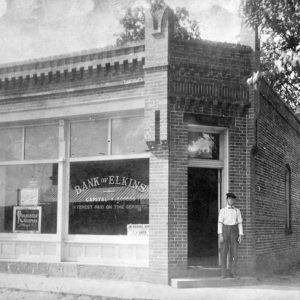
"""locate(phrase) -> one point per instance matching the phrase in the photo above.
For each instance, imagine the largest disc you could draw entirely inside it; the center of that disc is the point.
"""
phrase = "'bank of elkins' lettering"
(110, 180)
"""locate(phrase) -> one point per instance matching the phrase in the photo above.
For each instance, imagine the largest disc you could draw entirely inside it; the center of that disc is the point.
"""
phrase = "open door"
(203, 205)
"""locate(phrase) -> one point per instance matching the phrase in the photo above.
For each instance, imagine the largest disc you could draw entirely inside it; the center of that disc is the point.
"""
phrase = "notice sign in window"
(27, 219)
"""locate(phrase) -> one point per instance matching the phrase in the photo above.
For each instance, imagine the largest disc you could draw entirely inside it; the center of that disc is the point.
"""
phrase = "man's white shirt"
(230, 216)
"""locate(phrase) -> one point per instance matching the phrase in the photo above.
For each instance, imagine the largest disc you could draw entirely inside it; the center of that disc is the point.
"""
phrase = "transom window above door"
(203, 145)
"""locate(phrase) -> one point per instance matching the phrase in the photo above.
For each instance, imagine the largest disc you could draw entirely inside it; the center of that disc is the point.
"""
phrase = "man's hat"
(231, 195)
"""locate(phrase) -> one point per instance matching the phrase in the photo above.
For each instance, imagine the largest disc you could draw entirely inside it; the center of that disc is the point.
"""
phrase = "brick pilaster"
(158, 29)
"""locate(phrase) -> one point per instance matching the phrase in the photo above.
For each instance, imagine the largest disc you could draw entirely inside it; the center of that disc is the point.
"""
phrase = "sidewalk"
(23, 286)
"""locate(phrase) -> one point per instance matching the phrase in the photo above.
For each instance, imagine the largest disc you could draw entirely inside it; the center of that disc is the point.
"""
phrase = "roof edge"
(71, 58)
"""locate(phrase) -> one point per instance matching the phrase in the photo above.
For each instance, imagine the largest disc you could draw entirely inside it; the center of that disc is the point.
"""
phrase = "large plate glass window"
(28, 189)
(33, 190)
(109, 197)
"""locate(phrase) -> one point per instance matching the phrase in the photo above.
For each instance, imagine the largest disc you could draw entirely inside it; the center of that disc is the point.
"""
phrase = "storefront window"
(203, 145)
(109, 197)
(128, 136)
(28, 201)
(11, 144)
(89, 138)
(41, 142)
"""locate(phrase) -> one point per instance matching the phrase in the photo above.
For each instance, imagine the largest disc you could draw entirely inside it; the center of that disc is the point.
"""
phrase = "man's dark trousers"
(230, 244)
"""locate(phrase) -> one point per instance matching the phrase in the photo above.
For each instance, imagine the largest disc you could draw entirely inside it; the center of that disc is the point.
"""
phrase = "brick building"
(115, 162)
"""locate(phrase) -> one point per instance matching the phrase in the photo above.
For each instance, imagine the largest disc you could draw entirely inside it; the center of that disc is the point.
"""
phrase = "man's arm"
(220, 225)
(240, 226)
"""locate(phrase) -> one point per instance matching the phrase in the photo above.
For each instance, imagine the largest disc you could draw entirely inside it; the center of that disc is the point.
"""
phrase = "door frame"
(221, 164)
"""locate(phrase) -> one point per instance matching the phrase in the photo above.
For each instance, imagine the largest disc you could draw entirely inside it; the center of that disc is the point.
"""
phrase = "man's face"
(230, 201)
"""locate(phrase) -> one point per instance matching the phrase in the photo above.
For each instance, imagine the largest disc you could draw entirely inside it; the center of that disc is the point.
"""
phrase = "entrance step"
(197, 272)
(183, 283)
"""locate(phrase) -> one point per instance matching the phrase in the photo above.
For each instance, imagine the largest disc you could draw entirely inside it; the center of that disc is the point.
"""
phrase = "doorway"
(203, 205)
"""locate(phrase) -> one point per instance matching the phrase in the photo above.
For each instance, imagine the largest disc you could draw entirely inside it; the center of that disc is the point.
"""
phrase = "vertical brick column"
(178, 195)
(248, 250)
(158, 29)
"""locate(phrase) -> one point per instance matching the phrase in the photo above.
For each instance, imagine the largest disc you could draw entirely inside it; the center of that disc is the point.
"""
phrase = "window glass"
(89, 138)
(203, 145)
(28, 198)
(11, 144)
(128, 136)
(41, 142)
(109, 197)
(288, 199)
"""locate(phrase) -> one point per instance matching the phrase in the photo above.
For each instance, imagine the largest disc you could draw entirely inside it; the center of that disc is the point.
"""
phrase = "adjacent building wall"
(278, 144)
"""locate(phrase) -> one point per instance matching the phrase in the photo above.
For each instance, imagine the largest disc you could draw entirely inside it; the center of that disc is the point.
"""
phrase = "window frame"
(109, 154)
(95, 237)
(18, 236)
(288, 199)
(82, 238)
(23, 160)
(222, 163)
(63, 160)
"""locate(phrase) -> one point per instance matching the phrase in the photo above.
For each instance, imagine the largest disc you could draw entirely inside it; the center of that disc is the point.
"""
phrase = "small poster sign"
(27, 219)
(138, 229)
(29, 196)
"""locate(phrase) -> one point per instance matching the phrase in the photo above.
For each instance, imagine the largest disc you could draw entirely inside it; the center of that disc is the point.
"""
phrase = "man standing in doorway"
(230, 232)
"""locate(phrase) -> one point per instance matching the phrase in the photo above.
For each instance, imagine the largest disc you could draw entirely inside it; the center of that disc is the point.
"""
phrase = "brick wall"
(156, 135)
(208, 81)
(278, 138)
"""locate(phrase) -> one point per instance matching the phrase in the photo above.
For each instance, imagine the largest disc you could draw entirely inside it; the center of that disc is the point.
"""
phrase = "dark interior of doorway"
(202, 217)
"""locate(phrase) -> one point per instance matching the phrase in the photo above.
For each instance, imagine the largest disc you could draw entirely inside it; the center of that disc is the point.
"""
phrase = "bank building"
(115, 162)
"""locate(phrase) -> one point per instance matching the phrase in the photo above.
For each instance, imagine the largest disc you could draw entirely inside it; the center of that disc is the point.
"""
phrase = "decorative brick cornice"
(130, 51)
(201, 105)
(67, 77)
(94, 67)
(208, 89)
